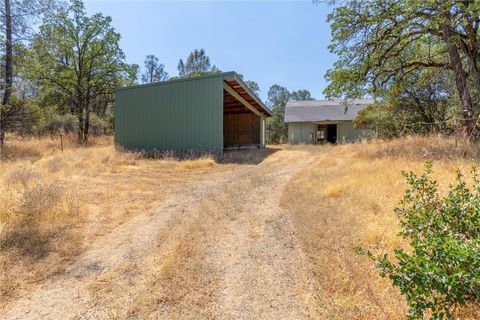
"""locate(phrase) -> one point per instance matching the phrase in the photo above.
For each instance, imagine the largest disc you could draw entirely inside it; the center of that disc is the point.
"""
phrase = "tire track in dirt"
(265, 274)
(66, 295)
(260, 271)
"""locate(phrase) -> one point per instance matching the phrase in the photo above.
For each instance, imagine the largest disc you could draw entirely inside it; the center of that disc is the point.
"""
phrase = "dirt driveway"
(220, 247)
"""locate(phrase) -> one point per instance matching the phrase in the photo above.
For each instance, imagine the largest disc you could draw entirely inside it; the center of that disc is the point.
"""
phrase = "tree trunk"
(81, 124)
(86, 127)
(8, 64)
(461, 82)
(8, 54)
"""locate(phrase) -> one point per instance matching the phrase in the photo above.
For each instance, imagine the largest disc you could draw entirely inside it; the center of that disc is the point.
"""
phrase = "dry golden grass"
(53, 203)
(40, 209)
(200, 163)
(345, 198)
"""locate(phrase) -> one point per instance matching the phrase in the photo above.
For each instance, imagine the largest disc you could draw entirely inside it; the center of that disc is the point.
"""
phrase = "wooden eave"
(241, 92)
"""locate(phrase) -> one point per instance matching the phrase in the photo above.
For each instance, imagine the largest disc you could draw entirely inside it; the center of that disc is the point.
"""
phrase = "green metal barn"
(210, 112)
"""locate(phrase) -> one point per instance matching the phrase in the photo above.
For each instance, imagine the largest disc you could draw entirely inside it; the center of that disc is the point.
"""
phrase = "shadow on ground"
(254, 156)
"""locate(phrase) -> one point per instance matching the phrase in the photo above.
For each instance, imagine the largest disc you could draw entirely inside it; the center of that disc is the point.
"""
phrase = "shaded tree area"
(420, 105)
(418, 60)
(277, 99)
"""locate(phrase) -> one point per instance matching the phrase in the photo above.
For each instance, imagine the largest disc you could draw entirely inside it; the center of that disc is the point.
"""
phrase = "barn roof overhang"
(237, 88)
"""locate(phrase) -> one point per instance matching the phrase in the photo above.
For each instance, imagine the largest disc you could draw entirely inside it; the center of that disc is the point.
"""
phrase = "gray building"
(323, 121)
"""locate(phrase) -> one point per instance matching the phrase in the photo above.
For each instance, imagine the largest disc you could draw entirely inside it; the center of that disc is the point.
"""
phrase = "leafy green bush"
(62, 123)
(442, 271)
(21, 115)
(98, 126)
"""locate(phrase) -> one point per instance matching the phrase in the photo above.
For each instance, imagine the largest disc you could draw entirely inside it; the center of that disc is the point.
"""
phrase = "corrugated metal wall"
(176, 115)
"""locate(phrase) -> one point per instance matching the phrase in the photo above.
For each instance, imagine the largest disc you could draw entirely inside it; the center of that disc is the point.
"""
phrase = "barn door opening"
(332, 133)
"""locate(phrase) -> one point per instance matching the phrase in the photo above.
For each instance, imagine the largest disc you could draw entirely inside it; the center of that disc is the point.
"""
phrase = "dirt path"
(265, 274)
(229, 224)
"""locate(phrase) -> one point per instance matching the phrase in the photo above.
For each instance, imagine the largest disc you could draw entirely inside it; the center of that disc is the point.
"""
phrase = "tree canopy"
(382, 44)
(79, 56)
(197, 64)
(154, 70)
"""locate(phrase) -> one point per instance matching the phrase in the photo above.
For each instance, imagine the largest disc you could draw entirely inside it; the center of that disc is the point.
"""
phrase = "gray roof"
(324, 110)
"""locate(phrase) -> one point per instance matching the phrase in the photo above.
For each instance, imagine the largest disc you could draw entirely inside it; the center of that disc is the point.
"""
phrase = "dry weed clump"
(200, 163)
(346, 199)
(35, 215)
(32, 210)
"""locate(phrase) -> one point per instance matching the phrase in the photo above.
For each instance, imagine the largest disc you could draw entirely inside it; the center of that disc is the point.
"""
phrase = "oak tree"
(79, 55)
(380, 42)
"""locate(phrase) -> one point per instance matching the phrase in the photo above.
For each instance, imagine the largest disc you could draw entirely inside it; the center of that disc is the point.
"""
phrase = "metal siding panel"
(171, 116)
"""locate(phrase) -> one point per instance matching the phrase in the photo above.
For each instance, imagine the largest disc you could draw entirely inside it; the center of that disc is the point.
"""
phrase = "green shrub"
(66, 123)
(22, 116)
(442, 271)
(98, 126)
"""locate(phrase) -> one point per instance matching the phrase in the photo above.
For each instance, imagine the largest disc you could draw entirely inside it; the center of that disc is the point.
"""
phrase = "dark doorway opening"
(332, 133)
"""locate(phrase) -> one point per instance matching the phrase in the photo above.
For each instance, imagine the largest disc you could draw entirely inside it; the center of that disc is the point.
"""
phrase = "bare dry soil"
(219, 245)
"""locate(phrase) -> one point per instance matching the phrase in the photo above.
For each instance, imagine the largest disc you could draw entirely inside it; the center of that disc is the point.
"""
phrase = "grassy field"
(345, 198)
(110, 235)
(53, 203)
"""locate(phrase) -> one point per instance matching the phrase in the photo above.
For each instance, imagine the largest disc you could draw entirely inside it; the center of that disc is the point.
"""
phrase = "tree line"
(60, 68)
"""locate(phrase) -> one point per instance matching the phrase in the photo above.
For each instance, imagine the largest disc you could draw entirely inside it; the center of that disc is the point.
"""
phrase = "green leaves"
(417, 56)
(443, 268)
(197, 64)
(78, 57)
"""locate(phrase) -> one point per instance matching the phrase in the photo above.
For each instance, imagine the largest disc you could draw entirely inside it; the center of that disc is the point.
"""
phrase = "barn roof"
(324, 110)
(231, 78)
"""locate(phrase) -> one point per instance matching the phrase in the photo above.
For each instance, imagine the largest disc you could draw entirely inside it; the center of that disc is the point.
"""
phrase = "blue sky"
(270, 42)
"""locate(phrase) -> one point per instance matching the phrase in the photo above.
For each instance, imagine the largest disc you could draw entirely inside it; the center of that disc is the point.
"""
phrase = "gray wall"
(347, 133)
(299, 132)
